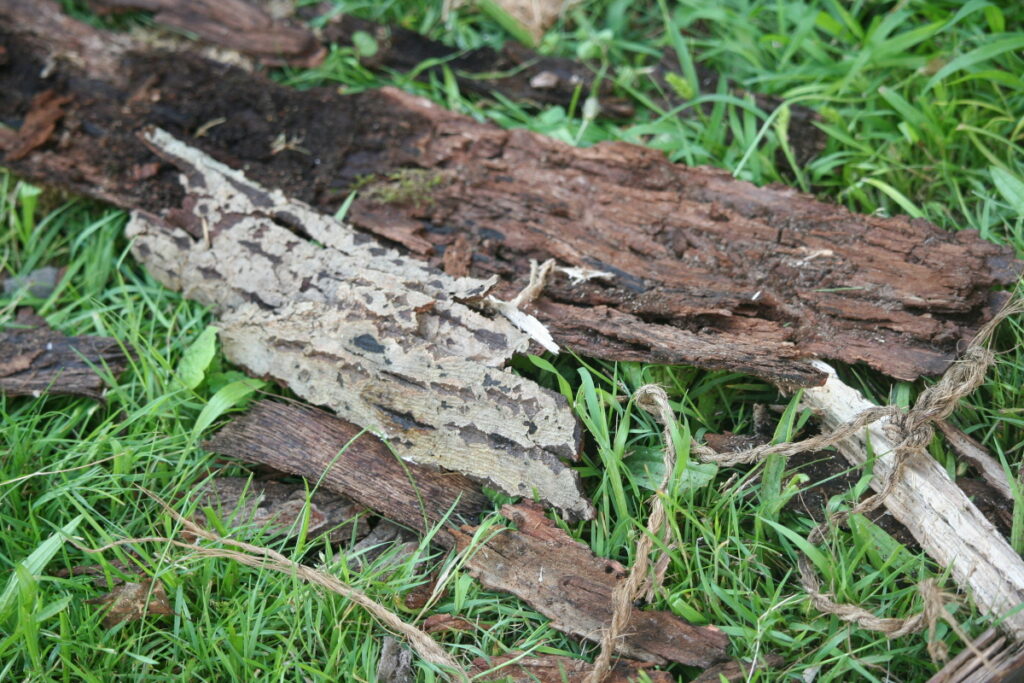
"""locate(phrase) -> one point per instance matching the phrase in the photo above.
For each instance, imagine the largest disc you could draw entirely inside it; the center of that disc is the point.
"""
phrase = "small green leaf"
(231, 396)
(364, 44)
(197, 357)
(682, 86)
(1011, 187)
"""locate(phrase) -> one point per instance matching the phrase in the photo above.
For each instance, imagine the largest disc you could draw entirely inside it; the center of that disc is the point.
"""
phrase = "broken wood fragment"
(234, 24)
(942, 519)
(36, 360)
(978, 457)
(515, 668)
(554, 574)
(564, 581)
(707, 270)
(248, 507)
(311, 443)
(345, 322)
(41, 120)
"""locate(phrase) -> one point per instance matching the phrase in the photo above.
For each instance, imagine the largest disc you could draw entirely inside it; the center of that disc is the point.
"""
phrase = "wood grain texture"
(37, 360)
(707, 270)
(564, 581)
(346, 323)
(942, 519)
(536, 562)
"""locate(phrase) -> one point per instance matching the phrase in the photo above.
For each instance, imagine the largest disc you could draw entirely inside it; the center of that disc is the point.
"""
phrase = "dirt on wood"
(706, 270)
(36, 360)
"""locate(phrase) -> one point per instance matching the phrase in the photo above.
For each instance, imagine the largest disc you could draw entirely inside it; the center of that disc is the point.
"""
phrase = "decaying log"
(537, 562)
(942, 519)
(347, 323)
(36, 360)
(313, 444)
(543, 565)
(705, 270)
(514, 668)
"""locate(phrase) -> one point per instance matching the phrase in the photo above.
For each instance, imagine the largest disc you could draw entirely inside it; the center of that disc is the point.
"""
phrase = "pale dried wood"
(346, 323)
(942, 519)
(978, 457)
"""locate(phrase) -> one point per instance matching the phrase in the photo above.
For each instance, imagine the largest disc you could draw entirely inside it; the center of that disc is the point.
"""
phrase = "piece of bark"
(736, 671)
(559, 669)
(708, 270)
(1002, 661)
(563, 580)
(131, 601)
(41, 120)
(978, 457)
(246, 507)
(37, 360)
(946, 524)
(234, 24)
(379, 338)
(395, 665)
(40, 283)
(313, 444)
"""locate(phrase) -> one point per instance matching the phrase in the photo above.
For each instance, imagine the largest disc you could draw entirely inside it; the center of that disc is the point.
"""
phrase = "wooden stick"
(942, 519)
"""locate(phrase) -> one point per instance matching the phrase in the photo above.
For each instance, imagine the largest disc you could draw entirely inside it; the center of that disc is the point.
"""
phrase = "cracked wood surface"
(536, 562)
(708, 270)
(379, 338)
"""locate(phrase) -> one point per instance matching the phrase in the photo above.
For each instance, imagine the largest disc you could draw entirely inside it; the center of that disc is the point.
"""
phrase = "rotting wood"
(942, 519)
(544, 566)
(274, 508)
(514, 71)
(515, 668)
(320, 447)
(37, 360)
(233, 24)
(708, 270)
(313, 444)
(346, 323)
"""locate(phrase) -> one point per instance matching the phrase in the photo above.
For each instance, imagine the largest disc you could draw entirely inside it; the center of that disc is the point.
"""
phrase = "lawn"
(922, 107)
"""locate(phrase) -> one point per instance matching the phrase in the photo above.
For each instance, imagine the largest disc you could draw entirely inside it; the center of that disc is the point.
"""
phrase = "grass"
(922, 104)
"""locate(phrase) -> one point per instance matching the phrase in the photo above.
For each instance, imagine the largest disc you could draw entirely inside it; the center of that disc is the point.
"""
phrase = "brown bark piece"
(555, 574)
(707, 270)
(559, 669)
(132, 601)
(234, 24)
(379, 338)
(313, 444)
(277, 508)
(565, 582)
(735, 671)
(36, 360)
(41, 120)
